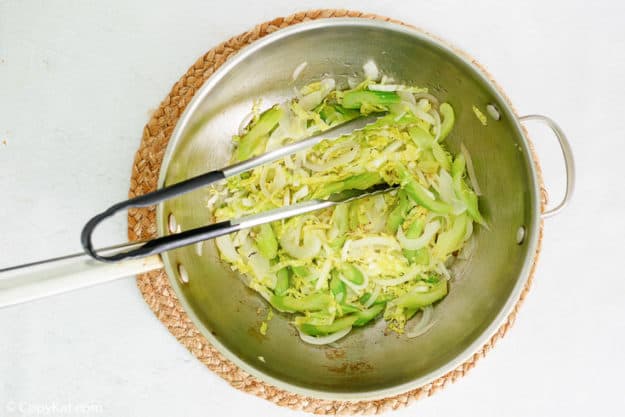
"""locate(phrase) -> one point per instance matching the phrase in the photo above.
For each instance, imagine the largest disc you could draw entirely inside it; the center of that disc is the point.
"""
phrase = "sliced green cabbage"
(448, 120)
(343, 267)
(397, 215)
(251, 142)
(283, 281)
(266, 241)
(356, 99)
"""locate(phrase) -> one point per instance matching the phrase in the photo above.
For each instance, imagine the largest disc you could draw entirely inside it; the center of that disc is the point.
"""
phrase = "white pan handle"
(42, 279)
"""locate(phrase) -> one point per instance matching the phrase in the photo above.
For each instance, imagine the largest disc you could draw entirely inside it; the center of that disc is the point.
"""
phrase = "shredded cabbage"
(344, 266)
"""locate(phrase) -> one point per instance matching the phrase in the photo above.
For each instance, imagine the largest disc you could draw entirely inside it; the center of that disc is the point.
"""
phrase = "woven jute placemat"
(155, 285)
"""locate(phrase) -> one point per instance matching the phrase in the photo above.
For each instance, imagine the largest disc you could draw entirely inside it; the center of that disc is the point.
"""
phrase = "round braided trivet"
(155, 286)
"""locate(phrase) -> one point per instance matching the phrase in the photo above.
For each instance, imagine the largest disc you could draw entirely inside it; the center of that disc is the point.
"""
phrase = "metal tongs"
(188, 237)
(48, 277)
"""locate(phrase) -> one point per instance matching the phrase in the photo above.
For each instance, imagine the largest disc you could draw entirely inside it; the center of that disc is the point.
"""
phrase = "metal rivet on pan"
(520, 235)
(493, 111)
(172, 223)
(182, 274)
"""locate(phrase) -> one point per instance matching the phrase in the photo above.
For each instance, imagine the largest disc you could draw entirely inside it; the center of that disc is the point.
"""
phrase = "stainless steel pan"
(375, 365)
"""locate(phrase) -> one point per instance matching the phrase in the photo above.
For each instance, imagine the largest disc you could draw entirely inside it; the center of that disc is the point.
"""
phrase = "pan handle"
(569, 162)
(41, 279)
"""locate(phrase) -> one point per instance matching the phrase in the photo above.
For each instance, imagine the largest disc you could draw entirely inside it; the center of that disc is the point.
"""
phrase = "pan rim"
(532, 228)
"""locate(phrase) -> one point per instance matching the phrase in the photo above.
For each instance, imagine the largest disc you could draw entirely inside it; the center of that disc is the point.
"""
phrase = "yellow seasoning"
(263, 325)
(480, 116)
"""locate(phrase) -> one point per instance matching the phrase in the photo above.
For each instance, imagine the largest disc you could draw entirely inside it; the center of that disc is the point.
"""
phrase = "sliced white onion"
(371, 70)
(442, 269)
(394, 281)
(343, 159)
(288, 162)
(279, 179)
(370, 241)
(353, 82)
(324, 273)
(469, 230)
(338, 147)
(437, 124)
(470, 169)
(328, 84)
(324, 340)
(420, 327)
(310, 248)
(262, 182)
(401, 108)
(394, 146)
(387, 153)
(291, 237)
(379, 203)
(286, 200)
(299, 158)
(422, 178)
(377, 223)
(424, 105)
(224, 243)
(312, 100)
(408, 276)
(445, 187)
(413, 244)
(299, 194)
(407, 96)
(333, 231)
(211, 201)
(259, 265)
(377, 163)
(298, 70)
(278, 182)
(246, 121)
(291, 126)
(373, 297)
(429, 97)
(231, 199)
(240, 237)
(429, 193)
(345, 250)
(384, 87)
(427, 117)
(385, 80)
(399, 116)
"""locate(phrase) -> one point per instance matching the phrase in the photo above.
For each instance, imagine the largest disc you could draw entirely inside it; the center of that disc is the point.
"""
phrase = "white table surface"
(78, 80)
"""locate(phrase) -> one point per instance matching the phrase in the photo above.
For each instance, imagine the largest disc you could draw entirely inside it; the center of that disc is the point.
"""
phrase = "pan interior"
(367, 363)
